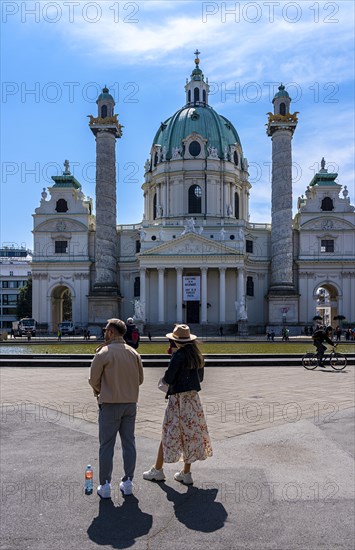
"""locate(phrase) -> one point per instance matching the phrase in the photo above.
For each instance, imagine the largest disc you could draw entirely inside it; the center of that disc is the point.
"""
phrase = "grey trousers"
(113, 418)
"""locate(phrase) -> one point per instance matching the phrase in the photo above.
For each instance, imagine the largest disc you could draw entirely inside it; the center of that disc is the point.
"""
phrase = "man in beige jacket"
(116, 373)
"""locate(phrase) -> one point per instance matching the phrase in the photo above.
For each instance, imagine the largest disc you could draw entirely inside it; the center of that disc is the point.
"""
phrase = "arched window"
(196, 94)
(204, 96)
(236, 205)
(250, 286)
(235, 158)
(61, 205)
(282, 109)
(327, 204)
(104, 111)
(155, 158)
(137, 287)
(155, 207)
(195, 199)
(189, 96)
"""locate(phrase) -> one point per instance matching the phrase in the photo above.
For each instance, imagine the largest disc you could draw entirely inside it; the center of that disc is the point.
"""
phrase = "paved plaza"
(281, 478)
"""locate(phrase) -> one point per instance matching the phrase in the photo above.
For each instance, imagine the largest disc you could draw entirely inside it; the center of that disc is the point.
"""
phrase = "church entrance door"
(192, 312)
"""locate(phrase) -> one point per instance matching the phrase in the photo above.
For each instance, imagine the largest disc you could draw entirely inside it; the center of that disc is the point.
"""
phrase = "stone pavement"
(281, 478)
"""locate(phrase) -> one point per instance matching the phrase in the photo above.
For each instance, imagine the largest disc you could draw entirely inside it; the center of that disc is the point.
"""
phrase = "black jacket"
(322, 336)
(179, 377)
(128, 336)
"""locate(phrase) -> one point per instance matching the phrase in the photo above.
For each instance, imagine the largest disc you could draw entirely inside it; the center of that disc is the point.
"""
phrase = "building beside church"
(15, 270)
(195, 257)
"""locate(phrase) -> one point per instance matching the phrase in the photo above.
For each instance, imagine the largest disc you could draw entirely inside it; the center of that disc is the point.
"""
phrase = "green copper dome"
(203, 120)
(105, 95)
(281, 93)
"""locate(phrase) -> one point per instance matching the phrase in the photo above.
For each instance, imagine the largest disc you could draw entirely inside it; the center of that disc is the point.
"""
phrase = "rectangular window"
(14, 284)
(5, 284)
(327, 245)
(249, 246)
(61, 247)
(9, 299)
(9, 311)
(250, 286)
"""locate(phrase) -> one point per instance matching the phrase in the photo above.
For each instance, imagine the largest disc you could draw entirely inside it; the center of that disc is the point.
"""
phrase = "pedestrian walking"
(184, 432)
(116, 373)
(59, 335)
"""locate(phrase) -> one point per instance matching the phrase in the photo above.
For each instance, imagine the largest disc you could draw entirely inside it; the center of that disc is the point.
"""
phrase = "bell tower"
(104, 296)
(282, 296)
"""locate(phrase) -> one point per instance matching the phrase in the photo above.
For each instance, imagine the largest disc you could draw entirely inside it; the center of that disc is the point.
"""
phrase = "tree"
(67, 306)
(24, 304)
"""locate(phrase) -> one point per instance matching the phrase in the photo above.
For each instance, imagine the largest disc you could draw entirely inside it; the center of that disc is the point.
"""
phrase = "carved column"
(204, 295)
(222, 294)
(142, 281)
(178, 294)
(240, 286)
(161, 292)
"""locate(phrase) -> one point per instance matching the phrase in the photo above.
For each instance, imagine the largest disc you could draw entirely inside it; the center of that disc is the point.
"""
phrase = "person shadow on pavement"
(119, 526)
(196, 508)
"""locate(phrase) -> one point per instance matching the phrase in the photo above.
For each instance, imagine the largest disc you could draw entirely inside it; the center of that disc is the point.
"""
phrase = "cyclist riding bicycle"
(319, 336)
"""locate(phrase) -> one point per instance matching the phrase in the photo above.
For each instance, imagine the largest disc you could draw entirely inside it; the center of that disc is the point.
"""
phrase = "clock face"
(327, 224)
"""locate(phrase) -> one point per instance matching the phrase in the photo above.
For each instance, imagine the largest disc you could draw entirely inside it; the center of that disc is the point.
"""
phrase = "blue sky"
(56, 56)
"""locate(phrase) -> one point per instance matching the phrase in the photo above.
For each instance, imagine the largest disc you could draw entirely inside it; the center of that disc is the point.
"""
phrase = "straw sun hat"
(181, 334)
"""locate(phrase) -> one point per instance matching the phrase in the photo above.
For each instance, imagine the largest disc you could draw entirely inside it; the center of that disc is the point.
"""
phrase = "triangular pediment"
(191, 245)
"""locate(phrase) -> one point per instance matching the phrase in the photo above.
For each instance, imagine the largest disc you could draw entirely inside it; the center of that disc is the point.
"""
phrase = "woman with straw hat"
(184, 433)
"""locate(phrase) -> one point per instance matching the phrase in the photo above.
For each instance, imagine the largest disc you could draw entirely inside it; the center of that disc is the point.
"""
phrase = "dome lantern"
(197, 89)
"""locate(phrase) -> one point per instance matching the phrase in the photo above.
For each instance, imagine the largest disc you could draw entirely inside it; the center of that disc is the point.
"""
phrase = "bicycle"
(337, 360)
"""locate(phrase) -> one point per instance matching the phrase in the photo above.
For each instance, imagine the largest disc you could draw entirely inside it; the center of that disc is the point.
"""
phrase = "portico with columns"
(217, 271)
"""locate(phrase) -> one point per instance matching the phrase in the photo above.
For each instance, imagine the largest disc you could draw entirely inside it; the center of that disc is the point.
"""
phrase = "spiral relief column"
(104, 297)
(282, 294)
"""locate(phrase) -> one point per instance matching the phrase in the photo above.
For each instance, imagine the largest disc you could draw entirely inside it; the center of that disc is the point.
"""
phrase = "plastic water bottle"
(88, 480)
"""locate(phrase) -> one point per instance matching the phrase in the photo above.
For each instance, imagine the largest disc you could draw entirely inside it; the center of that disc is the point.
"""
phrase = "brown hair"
(117, 325)
(193, 355)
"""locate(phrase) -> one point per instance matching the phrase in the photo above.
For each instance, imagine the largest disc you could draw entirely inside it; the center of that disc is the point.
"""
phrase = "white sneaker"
(186, 479)
(154, 475)
(104, 491)
(126, 487)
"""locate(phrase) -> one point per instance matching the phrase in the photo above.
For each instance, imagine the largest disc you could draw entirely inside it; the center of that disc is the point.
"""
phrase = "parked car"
(67, 327)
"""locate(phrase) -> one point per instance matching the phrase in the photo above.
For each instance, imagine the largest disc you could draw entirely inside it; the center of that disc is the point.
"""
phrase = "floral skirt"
(185, 434)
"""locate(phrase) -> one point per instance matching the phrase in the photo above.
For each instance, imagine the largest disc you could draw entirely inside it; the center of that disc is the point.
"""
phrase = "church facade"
(196, 257)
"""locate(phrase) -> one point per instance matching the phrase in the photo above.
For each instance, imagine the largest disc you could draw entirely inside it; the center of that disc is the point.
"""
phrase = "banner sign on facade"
(191, 288)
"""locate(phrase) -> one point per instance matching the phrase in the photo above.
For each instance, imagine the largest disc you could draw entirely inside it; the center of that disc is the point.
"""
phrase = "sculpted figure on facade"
(241, 310)
(176, 153)
(142, 234)
(212, 152)
(189, 226)
(138, 311)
